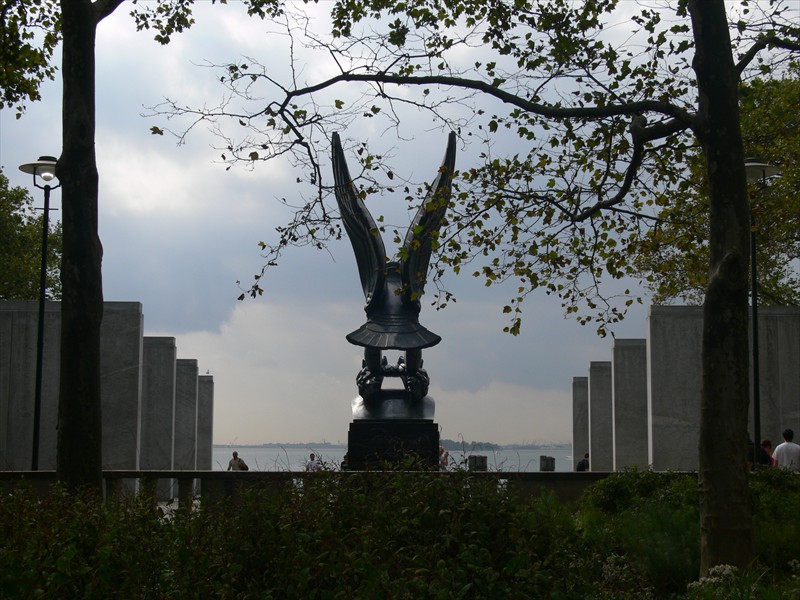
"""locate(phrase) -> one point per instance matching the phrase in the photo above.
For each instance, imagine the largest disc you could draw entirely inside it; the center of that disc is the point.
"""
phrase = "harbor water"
(294, 457)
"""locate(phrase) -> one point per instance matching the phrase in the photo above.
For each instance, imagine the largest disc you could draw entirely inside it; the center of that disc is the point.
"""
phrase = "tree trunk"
(79, 461)
(725, 519)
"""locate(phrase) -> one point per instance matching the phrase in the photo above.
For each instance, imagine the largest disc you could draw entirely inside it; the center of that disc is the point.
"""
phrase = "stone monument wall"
(184, 455)
(158, 403)
(601, 430)
(205, 422)
(674, 346)
(580, 418)
(138, 391)
(629, 404)
(121, 334)
(19, 322)
(671, 374)
(779, 370)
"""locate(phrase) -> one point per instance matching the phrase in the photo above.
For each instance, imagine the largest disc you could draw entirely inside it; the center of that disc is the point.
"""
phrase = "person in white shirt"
(313, 464)
(787, 454)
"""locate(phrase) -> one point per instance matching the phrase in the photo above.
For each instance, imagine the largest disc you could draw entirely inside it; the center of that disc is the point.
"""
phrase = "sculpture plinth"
(392, 443)
(393, 404)
(392, 427)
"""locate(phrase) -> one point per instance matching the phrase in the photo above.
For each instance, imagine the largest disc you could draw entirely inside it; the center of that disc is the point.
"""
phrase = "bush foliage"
(395, 535)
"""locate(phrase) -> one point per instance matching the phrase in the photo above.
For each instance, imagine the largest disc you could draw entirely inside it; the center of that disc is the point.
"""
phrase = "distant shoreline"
(448, 445)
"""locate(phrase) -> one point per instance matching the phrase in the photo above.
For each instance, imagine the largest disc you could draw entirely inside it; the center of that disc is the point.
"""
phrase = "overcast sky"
(178, 231)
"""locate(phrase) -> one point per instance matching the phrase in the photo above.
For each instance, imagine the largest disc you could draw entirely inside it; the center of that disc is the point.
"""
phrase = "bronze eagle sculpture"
(392, 288)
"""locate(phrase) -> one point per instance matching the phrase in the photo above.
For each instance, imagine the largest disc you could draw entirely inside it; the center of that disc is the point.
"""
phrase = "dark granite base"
(391, 443)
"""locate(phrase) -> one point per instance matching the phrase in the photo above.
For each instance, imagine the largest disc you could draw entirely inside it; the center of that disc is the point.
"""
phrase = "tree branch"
(770, 41)
(104, 8)
(554, 112)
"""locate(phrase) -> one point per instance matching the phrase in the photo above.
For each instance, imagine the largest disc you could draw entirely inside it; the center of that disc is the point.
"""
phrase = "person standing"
(237, 464)
(758, 456)
(313, 464)
(583, 464)
(444, 458)
(787, 454)
(766, 448)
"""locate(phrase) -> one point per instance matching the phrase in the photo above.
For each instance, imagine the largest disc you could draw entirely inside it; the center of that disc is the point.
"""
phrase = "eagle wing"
(360, 226)
(418, 244)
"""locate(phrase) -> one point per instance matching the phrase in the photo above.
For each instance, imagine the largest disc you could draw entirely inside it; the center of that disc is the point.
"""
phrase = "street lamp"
(45, 168)
(757, 172)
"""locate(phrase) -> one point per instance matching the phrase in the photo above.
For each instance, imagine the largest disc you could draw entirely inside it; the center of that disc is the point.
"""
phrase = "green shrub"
(620, 492)
(650, 520)
(70, 546)
(775, 495)
(725, 582)
(394, 535)
(664, 543)
(412, 535)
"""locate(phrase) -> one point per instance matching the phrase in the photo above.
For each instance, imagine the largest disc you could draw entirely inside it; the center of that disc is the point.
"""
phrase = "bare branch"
(770, 41)
(554, 112)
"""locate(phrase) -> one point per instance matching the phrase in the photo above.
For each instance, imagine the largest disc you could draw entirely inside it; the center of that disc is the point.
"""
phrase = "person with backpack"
(237, 464)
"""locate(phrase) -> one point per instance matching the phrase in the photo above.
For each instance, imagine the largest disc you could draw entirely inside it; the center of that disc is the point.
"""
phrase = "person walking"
(787, 454)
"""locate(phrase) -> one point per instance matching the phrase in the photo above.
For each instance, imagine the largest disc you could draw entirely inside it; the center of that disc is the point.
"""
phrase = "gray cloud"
(178, 231)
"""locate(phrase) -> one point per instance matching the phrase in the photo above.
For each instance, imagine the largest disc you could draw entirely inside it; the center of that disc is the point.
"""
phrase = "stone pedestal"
(382, 443)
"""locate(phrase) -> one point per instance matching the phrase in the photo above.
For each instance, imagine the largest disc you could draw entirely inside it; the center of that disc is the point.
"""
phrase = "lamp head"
(45, 168)
(758, 170)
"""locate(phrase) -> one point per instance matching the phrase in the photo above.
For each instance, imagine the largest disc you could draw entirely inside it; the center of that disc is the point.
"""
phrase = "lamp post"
(757, 172)
(45, 168)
